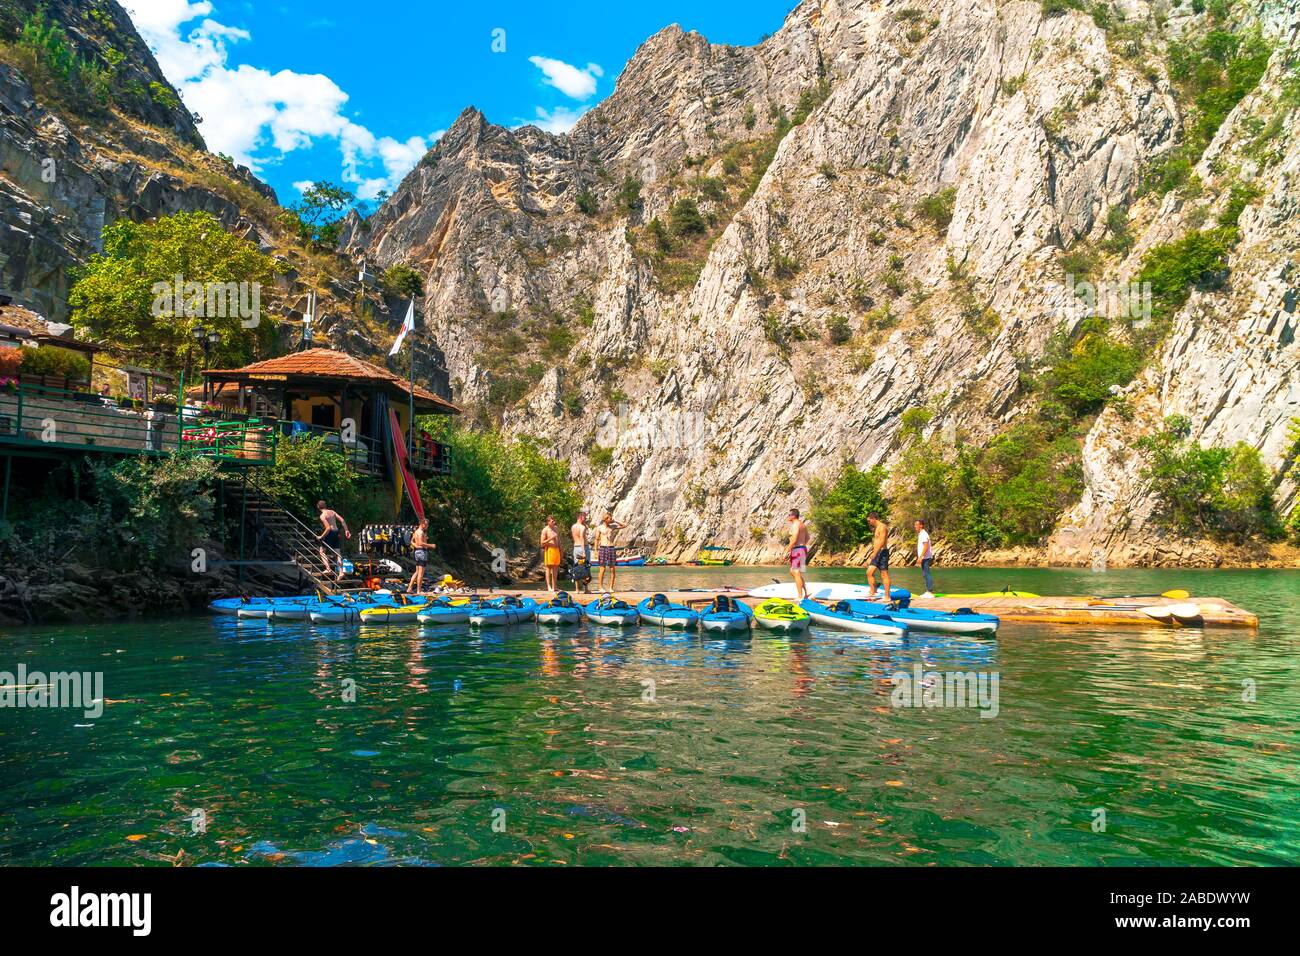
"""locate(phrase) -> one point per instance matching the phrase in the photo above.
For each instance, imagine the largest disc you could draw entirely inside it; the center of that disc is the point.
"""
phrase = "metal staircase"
(274, 528)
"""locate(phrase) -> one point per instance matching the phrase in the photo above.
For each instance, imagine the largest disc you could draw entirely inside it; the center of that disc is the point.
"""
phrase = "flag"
(407, 326)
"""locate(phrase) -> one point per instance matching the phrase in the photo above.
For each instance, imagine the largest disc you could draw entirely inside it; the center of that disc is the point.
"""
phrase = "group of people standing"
(603, 538)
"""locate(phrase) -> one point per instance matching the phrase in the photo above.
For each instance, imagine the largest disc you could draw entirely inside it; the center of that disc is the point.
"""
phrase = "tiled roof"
(328, 363)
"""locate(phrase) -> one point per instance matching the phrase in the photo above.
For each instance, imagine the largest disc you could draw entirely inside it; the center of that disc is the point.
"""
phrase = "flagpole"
(410, 426)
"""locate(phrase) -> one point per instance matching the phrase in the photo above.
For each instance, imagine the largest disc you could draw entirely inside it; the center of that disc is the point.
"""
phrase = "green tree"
(1083, 375)
(306, 471)
(126, 295)
(320, 212)
(839, 511)
(1203, 490)
(1176, 269)
(499, 491)
(401, 280)
(685, 218)
(629, 195)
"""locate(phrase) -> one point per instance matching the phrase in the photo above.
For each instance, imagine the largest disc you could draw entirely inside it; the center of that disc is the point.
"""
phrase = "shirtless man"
(581, 550)
(798, 551)
(606, 551)
(332, 522)
(879, 560)
(420, 548)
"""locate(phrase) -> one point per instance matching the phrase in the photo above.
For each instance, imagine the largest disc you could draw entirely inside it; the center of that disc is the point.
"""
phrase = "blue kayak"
(503, 611)
(559, 610)
(612, 611)
(725, 613)
(964, 621)
(842, 616)
(657, 609)
(349, 610)
(297, 608)
(443, 611)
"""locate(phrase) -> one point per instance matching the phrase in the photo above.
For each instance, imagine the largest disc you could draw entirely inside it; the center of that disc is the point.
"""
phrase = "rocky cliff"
(886, 192)
(70, 164)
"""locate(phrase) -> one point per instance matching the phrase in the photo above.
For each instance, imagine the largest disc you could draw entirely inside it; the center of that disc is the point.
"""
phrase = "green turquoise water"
(538, 746)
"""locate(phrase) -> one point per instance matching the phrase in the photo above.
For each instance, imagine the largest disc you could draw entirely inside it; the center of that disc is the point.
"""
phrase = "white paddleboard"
(825, 591)
(1189, 614)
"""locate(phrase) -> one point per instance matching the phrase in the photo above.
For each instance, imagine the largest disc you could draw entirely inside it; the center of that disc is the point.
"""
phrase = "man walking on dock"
(879, 560)
(329, 539)
(798, 551)
(924, 554)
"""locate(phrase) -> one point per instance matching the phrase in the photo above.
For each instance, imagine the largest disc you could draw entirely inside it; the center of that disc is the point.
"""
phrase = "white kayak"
(828, 591)
(843, 617)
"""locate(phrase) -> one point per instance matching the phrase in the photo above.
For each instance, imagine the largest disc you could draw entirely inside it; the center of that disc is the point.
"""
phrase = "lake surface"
(590, 747)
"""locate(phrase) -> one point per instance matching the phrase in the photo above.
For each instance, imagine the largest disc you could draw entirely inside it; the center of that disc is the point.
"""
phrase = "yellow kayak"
(409, 613)
(778, 614)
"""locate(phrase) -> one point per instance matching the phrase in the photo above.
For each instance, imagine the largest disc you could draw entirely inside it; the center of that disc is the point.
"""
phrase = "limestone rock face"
(717, 388)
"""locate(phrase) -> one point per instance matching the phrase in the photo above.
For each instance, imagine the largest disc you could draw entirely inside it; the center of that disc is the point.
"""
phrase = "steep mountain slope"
(881, 200)
(111, 140)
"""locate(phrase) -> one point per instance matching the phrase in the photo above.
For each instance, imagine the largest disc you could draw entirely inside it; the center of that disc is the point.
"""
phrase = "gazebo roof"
(320, 364)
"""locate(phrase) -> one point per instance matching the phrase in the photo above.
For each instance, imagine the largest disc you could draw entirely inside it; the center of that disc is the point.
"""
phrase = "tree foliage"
(839, 510)
(1208, 490)
(499, 491)
(116, 295)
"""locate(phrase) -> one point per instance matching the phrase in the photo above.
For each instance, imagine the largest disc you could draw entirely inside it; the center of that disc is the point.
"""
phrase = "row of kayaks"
(723, 613)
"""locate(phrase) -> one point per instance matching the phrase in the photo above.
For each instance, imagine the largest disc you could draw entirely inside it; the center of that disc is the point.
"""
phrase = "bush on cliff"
(839, 510)
(1208, 490)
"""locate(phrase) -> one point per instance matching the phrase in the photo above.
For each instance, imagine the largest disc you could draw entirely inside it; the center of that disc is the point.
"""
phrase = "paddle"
(1177, 595)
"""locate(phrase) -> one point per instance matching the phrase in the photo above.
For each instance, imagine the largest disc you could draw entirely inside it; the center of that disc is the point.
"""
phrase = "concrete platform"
(1216, 612)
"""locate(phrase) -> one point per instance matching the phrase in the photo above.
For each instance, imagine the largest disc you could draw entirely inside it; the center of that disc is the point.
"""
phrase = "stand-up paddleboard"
(827, 591)
(1184, 615)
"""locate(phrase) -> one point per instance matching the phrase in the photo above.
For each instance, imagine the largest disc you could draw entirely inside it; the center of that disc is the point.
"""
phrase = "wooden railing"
(43, 418)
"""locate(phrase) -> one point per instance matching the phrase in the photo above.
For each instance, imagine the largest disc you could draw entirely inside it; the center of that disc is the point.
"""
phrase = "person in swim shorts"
(551, 554)
(798, 529)
(581, 551)
(607, 550)
(420, 547)
(329, 539)
(879, 559)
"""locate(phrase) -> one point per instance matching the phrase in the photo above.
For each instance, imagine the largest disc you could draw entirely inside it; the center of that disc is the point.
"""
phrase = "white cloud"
(573, 82)
(559, 120)
(255, 115)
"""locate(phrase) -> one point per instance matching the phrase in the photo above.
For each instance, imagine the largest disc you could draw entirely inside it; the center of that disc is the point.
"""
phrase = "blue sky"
(357, 92)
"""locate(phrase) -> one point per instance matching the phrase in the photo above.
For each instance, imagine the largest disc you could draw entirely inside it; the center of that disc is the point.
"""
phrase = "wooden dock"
(1215, 612)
